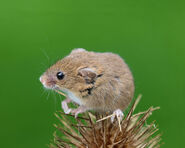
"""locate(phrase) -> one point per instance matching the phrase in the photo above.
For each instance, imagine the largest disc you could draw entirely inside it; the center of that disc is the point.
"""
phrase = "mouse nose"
(47, 82)
(42, 80)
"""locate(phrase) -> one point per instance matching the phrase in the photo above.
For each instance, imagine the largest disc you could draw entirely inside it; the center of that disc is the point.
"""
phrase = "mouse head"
(70, 73)
(54, 77)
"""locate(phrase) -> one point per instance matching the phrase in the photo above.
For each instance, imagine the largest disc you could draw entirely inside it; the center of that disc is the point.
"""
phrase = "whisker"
(43, 92)
(55, 100)
(48, 94)
(44, 65)
(45, 54)
(47, 57)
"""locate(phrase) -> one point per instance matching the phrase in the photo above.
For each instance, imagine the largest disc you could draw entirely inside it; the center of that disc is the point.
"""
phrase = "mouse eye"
(60, 75)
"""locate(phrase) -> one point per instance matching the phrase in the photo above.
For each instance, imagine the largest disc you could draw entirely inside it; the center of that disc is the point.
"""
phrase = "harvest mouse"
(95, 81)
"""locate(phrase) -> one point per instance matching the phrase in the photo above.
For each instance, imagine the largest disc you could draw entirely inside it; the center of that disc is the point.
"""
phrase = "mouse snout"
(47, 82)
(41, 79)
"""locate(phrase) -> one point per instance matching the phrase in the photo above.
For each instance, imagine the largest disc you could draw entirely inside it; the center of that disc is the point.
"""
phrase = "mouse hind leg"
(118, 114)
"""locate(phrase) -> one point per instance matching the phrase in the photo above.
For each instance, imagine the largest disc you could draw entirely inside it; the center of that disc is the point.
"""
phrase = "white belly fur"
(73, 97)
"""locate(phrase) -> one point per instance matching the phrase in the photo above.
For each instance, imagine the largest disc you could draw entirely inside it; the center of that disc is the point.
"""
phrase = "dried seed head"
(87, 133)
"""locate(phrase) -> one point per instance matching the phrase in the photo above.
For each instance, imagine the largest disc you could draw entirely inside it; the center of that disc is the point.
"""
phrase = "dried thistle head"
(87, 133)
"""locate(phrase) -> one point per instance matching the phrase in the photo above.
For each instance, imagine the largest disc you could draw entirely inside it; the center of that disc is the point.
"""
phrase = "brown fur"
(111, 89)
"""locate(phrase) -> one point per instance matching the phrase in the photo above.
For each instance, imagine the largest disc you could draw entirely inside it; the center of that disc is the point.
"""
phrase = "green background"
(148, 34)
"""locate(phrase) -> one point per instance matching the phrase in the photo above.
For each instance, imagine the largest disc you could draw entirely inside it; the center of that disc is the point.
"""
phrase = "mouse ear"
(88, 74)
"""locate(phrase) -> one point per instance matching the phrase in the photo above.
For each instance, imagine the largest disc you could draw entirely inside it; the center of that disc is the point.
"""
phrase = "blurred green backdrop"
(148, 34)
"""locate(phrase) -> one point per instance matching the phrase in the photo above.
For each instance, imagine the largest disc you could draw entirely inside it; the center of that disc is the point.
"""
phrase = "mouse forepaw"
(80, 109)
(65, 107)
